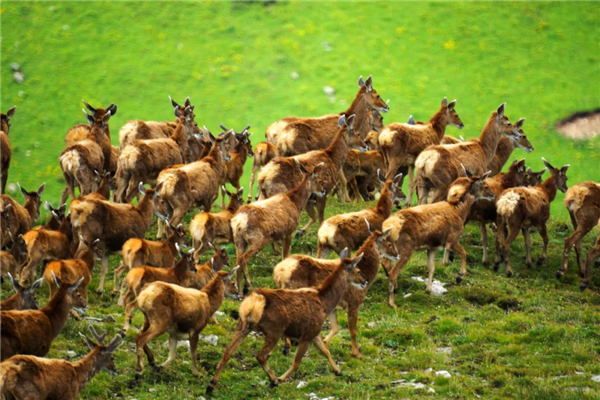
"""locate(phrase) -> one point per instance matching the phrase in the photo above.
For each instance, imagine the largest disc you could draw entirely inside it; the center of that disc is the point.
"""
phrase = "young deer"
(181, 312)
(506, 147)
(30, 377)
(294, 135)
(298, 271)
(349, 230)
(525, 207)
(263, 153)
(433, 227)
(238, 156)
(33, 331)
(24, 298)
(297, 314)
(5, 151)
(17, 218)
(215, 228)
(268, 221)
(401, 144)
(439, 166)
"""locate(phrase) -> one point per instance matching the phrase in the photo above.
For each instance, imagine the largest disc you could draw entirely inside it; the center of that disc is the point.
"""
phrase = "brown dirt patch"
(581, 125)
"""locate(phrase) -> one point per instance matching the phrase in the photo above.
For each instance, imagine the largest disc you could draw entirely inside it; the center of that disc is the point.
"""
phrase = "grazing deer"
(433, 227)
(268, 221)
(349, 230)
(235, 167)
(591, 256)
(17, 218)
(263, 153)
(297, 314)
(294, 135)
(299, 271)
(506, 147)
(439, 166)
(30, 377)
(182, 312)
(24, 298)
(33, 331)
(112, 223)
(401, 144)
(207, 227)
(524, 207)
(5, 151)
(583, 203)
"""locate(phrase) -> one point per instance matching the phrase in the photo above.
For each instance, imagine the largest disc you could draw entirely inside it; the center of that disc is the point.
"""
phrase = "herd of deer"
(302, 162)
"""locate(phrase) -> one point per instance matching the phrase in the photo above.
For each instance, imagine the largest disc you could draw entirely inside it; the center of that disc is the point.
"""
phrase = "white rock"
(371, 324)
(301, 384)
(71, 353)
(152, 390)
(326, 46)
(212, 339)
(446, 350)
(445, 374)
(294, 75)
(19, 77)
(407, 295)
(180, 46)
(596, 378)
(431, 390)
(437, 287)
(329, 91)
(429, 370)
(579, 373)
(220, 313)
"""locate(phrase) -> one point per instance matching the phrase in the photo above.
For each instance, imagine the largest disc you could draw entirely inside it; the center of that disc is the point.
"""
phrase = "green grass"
(522, 338)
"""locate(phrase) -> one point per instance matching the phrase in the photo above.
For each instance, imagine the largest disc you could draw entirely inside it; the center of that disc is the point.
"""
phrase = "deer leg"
(394, 164)
(352, 323)
(118, 272)
(142, 340)
(335, 326)
(4, 180)
(122, 184)
(129, 309)
(28, 272)
(343, 185)
(527, 238)
(302, 348)
(319, 344)
(276, 251)
(446, 257)
(591, 256)
(194, 352)
(484, 242)
(310, 209)
(457, 248)
(411, 185)
(255, 167)
(321, 205)
(241, 331)
(287, 344)
(263, 358)
(172, 351)
(287, 246)
(513, 232)
(422, 191)
(323, 251)
(104, 271)
(203, 247)
(542, 230)
(132, 189)
(64, 196)
(223, 192)
(574, 240)
(393, 273)
(430, 270)
(500, 234)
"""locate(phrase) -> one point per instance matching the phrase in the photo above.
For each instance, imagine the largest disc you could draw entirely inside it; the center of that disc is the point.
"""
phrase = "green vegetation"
(527, 337)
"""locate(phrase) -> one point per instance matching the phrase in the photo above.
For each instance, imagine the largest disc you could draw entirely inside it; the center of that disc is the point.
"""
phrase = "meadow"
(529, 337)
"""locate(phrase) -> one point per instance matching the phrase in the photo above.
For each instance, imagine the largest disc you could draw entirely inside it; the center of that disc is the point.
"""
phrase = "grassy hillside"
(235, 60)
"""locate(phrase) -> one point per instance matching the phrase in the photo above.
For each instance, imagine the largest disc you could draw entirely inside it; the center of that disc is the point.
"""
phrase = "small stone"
(71, 353)
(326, 46)
(429, 370)
(407, 295)
(294, 75)
(19, 77)
(443, 373)
(151, 390)
(15, 67)
(596, 378)
(65, 27)
(220, 313)
(329, 91)
(431, 390)
(579, 373)
(180, 46)
(212, 339)
(301, 384)
(446, 350)
(371, 324)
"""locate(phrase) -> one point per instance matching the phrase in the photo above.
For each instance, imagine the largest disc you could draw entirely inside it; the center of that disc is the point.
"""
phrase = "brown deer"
(299, 271)
(181, 312)
(33, 331)
(272, 220)
(112, 223)
(5, 151)
(295, 135)
(17, 218)
(434, 226)
(591, 256)
(207, 227)
(238, 156)
(263, 153)
(297, 314)
(363, 165)
(535, 178)
(24, 297)
(524, 207)
(583, 203)
(30, 377)
(401, 144)
(205, 272)
(506, 147)
(349, 230)
(439, 166)
(9, 265)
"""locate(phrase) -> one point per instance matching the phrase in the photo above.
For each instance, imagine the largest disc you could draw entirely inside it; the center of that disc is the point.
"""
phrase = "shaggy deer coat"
(19, 219)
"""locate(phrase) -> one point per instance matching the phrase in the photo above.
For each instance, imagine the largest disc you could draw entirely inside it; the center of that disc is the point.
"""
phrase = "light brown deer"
(524, 207)
(36, 378)
(297, 314)
(238, 156)
(433, 227)
(363, 165)
(9, 265)
(182, 312)
(24, 297)
(506, 147)
(591, 256)
(263, 153)
(439, 166)
(350, 230)
(295, 135)
(17, 218)
(5, 151)
(401, 144)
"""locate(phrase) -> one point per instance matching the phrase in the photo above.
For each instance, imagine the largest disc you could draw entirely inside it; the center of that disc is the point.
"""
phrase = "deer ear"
(350, 121)
(74, 286)
(520, 122)
(141, 188)
(57, 280)
(344, 253)
(398, 179)
(369, 83)
(89, 117)
(452, 104)
(564, 169)
(485, 176)
(550, 167)
(445, 102)
(466, 171)
(36, 285)
(10, 113)
(212, 247)
(411, 120)
(113, 109)
(361, 81)
(23, 191)
(500, 111)
(354, 262)
(173, 103)
(381, 176)
(386, 233)
(231, 273)
(341, 120)
(115, 343)
(15, 284)
(368, 226)
(187, 102)
(88, 341)
(178, 249)
(41, 189)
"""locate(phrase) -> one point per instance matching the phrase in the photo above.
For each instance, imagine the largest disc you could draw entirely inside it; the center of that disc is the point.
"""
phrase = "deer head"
(75, 298)
(28, 299)
(451, 114)
(560, 175)
(355, 277)
(534, 178)
(33, 197)
(505, 128)
(105, 360)
(522, 143)
(5, 119)
(371, 96)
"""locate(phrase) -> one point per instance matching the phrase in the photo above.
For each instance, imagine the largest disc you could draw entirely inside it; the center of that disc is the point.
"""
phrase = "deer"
(263, 153)
(82, 132)
(9, 265)
(283, 174)
(30, 377)
(583, 203)
(524, 207)
(591, 256)
(271, 220)
(535, 178)
(19, 219)
(205, 272)
(112, 223)
(206, 227)
(434, 226)
(5, 151)
(348, 230)
(506, 147)
(182, 312)
(143, 160)
(297, 314)
(362, 166)
(294, 135)
(300, 271)
(238, 156)
(24, 297)
(438, 166)
(54, 222)
(33, 331)
(401, 144)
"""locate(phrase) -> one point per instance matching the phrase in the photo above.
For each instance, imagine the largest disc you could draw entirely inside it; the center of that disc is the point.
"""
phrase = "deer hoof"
(583, 286)
(339, 373)
(559, 274)
(496, 266)
(597, 264)
(485, 263)
(509, 274)
(210, 388)
(540, 261)
(138, 375)
(459, 279)
(273, 384)
(99, 292)
(246, 290)
(286, 350)
(451, 256)
(529, 264)
(299, 234)
(157, 368)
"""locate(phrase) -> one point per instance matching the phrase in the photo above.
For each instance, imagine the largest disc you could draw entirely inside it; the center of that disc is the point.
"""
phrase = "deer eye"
(378, 97)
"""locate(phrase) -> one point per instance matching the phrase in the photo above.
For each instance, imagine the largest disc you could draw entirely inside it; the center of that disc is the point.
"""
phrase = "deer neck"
(87, 256)
(57, 311)
(464, 206)
(299, 195)
(549, 186)
(338, 150)
(384, 204)
(215, 290)
(233, 204)
(180, 136)
(359, 107)
(86, 368)
(369, 264)
(242, 151)
(146, 208)
(169, 243)
(333, 288)
(489, 138)
(66, 229)
(104, 190)
(439, 121)
(504, 149)
(180, 269)
(31, 208)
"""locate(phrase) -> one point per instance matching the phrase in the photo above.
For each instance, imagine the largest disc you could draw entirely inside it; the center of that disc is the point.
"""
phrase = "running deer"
(349, 230)
(263, 153)
(207, 227)
(19, 219)
(583, 203)
(5, 151)
(433, 227)
(24, 297)
(524, 207)
(181, 312)
(439, 166)
(297, 314)
(30, 377)
(299, 271)
(401, 144)
(238, 156)
(272, 220)
(506, 147)
(295, 135)
(33, 331)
